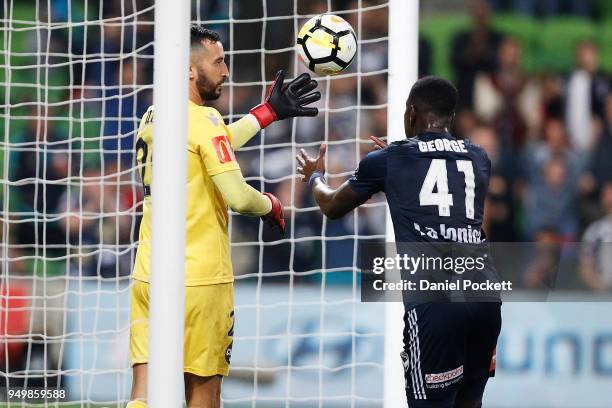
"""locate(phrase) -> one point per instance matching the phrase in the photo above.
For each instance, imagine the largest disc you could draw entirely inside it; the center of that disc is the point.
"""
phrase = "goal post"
(167, 300)
(403, 72)
(77, 80)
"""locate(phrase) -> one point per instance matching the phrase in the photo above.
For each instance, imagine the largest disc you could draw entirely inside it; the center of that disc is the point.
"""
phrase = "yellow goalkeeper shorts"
(209, 327)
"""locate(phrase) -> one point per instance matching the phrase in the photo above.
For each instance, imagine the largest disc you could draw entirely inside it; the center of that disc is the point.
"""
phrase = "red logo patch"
(223, 148)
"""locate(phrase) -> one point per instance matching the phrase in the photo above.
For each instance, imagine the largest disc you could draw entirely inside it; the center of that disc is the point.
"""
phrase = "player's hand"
(308, 165)
(378, 143)
(276, 216)
(287, 101)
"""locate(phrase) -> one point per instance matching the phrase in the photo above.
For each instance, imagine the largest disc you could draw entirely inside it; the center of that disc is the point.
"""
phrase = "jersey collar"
(434, 135)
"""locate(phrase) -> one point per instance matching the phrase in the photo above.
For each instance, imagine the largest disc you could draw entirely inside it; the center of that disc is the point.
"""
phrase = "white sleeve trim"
(251, 118)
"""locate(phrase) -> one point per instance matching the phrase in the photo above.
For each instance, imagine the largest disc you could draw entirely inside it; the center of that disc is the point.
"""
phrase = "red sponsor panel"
(223, 148)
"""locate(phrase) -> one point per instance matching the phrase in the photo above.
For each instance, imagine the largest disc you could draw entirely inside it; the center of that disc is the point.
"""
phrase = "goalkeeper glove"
(287, 101)
(275, 218)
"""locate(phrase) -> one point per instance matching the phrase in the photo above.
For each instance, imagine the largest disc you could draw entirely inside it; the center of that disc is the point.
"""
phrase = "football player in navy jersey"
(435, 186)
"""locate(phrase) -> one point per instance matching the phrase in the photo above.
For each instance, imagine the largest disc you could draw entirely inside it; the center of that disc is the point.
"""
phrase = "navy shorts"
(449, 352)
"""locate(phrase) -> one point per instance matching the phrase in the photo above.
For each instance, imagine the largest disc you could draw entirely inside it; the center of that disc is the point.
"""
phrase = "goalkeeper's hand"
(287, 101)
(275, 218)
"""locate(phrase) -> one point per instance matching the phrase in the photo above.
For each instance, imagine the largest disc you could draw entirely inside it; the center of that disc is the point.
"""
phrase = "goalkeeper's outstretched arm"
(243, 130)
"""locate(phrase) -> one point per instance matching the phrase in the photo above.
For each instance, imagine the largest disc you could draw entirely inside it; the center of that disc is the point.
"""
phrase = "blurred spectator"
(112, 41)
(374, 24)
(550, 201)
(99, 224)
(41, 293)
(124, 105)
(596, 253)
(464, 124)
(474, 51)
(551, 87)
(600, 166)
(41, 165)
(554, 144)
(541, 273)
(508, 97)
(14, 322)
(499, 211)
(299, 256)
(48, 322)
(339, 251)
(586, 93)
(503, 163)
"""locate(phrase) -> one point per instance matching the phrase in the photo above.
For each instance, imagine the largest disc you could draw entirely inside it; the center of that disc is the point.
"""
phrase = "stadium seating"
(548, 43)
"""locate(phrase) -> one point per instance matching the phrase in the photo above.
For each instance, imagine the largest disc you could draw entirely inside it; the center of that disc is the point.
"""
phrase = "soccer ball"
(327, 44)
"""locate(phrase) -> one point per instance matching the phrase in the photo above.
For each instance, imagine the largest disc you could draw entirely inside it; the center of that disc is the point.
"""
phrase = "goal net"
(77, 76)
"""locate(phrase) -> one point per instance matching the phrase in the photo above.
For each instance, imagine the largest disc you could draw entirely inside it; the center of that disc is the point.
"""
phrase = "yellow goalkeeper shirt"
(210, 153)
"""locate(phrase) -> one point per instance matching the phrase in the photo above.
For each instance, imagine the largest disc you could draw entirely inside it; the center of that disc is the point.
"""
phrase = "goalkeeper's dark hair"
(434, 94)
(199, 33)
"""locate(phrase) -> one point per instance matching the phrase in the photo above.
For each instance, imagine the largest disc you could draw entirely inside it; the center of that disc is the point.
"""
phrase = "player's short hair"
(434, 94)
(199, 33)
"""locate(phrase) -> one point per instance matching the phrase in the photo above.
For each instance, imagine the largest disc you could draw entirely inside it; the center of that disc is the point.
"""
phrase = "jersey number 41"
(437, 178)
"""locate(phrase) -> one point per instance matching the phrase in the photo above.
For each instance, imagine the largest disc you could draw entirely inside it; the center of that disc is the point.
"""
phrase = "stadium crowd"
(548, 134)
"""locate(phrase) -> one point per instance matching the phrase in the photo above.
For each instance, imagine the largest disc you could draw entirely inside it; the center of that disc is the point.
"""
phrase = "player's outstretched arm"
(333, 203)
(281, 102)
(245, 200)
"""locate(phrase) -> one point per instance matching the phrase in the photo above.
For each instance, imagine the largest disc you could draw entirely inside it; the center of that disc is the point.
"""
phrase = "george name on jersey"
(443, 145)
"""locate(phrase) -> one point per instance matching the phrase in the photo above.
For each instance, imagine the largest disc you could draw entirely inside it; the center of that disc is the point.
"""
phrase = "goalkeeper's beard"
(208, 90)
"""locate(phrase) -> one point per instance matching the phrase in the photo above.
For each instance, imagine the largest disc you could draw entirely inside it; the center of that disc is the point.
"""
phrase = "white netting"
(77, 76)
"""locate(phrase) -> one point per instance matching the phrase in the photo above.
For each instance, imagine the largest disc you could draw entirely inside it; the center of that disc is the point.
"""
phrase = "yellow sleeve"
(241, 197)
(213, 145)
(243, 130)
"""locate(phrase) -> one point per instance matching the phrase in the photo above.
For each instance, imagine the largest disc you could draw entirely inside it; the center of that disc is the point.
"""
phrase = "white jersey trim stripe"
(411, 344)
(417, 353)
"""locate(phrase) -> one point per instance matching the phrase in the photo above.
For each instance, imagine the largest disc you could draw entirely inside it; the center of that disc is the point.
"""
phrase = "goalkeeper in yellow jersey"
(214, 183)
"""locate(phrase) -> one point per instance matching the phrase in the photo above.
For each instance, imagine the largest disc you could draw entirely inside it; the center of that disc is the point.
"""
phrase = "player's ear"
(193, 73)
(412, 116)
(413, 111)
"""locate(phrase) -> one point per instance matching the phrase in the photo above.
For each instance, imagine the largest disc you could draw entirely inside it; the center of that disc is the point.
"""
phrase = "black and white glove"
(287, 101)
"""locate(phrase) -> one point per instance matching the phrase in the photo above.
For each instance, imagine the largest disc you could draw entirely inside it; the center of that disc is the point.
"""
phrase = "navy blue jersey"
(435, 185)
